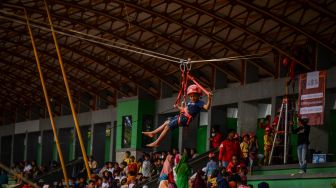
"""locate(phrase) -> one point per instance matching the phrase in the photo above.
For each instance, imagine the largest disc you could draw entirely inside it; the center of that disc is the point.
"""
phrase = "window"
(147, 125)
(126, 131)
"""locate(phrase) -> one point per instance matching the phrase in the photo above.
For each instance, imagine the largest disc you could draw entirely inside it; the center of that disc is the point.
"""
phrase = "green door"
(201, 139)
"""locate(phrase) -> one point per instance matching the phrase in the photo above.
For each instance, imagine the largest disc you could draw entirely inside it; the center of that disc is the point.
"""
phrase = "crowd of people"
(226, 168)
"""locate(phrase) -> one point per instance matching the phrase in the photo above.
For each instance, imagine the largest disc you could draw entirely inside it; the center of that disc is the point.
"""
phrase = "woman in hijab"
(166, 174)
(182, 173)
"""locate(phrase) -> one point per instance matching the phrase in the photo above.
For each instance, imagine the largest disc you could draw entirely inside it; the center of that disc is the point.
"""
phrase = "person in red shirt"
(216, 137)
(265, 123)
(276, 120)
(132, 166)
(235, 167)
(228, 148)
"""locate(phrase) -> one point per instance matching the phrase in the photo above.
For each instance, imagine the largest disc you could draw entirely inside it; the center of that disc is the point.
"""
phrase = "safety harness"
(185, 68)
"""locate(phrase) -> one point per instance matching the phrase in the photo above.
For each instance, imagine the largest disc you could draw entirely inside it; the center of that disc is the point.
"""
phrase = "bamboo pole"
(46, 97)
(73, 111)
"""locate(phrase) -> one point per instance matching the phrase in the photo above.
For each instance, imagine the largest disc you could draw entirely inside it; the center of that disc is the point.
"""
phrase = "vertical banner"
(311, 96)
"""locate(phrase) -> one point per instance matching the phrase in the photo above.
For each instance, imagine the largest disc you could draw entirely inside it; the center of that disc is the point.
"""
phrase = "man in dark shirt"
(302, 131)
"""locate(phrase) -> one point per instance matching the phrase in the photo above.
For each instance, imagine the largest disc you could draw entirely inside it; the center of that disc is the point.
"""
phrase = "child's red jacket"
(227, 149)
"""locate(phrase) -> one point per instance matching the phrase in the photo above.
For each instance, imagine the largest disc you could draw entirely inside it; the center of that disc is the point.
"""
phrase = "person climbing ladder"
(192, 109)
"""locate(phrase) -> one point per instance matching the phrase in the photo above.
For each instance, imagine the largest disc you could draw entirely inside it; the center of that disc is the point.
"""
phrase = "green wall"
(71, 148)
(231, 123)
(137, 109)
(297, 183)
(316, 177)
(201, 139)
(88, 143)
(260, 136)
(146, 107)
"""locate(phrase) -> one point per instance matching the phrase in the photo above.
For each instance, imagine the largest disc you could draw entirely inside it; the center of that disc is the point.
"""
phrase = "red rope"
(185, 77)
(198, 85)
(185, 87)
(178, 99)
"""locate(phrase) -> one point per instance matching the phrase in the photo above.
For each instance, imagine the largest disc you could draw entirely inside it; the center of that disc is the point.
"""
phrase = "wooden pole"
(46, 97)
(73, 111)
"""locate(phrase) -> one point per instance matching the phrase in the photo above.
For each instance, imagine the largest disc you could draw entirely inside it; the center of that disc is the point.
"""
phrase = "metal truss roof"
(196, 29)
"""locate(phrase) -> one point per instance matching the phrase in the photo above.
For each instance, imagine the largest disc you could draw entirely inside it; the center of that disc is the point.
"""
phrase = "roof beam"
(164, 37)
(73, 78)
(68, 61)
(286, 23)
(82, 7)
(20, 95)
(319, 8)
(27, 70)
(243, 29)
(226, 44)
(125, 56)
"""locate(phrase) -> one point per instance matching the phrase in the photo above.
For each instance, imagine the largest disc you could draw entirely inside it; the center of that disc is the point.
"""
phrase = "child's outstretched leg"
(151, 134)
(157, 142)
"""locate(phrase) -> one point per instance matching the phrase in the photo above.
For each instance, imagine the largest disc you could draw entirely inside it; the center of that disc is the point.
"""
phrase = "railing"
(55, 174)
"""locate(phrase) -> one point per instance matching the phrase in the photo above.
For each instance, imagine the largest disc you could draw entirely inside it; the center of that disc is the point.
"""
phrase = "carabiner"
(188, 64)
(182, 65)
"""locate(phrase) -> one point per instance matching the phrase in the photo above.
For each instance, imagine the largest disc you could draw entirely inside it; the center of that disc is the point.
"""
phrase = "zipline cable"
(92, 36)
(253, 56)
(141, 50)
(91, 40)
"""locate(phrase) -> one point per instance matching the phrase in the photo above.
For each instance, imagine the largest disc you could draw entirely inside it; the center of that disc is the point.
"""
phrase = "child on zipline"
(193, 108)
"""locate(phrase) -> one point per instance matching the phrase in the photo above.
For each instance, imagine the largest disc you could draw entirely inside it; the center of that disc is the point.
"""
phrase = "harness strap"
(185, 113)
(198, 85)
(181, 89)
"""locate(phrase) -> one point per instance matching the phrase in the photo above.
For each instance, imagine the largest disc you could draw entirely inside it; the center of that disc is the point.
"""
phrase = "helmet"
(193, 89)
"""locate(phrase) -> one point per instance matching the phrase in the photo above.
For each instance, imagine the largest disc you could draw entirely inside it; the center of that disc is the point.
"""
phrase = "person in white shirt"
(146, 167)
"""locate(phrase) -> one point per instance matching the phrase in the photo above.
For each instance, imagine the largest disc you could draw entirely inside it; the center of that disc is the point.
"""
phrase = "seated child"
(244, 148)
(189, 112)
(235, 168)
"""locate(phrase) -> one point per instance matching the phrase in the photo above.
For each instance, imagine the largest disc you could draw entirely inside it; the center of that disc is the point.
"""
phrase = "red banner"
(311, 96)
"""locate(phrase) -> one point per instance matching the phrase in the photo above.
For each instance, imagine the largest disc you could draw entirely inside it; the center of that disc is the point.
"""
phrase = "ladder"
(281, 131)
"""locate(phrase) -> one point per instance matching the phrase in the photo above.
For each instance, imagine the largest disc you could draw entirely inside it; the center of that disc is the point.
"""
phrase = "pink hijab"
(167, 167)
